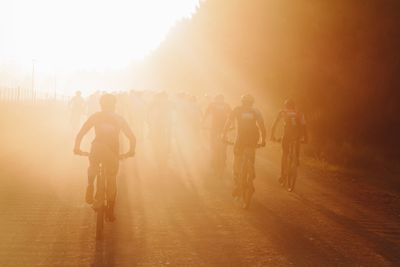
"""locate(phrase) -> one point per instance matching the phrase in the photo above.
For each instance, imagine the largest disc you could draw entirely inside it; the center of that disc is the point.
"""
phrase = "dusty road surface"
(183, 216)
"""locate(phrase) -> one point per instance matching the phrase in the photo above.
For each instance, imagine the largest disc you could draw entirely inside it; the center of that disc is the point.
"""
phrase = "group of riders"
(159, 114)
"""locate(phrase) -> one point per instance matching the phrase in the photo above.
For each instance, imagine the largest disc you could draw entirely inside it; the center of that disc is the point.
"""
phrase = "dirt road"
(184, 217)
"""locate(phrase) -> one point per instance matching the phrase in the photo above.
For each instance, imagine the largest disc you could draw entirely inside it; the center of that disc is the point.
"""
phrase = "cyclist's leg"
(237, 168)
(224, 148)
(292, 164)
(251, 169)
(99, 154)
(213, 148)
(93, 170)
(100, 191)
(285, 155)
(297, 152)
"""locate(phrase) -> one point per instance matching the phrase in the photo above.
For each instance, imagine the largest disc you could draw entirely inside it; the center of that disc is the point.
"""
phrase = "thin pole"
(33, 78)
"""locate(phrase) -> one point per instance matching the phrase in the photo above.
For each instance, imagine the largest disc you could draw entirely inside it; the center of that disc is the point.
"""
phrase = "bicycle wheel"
(101, 210)
(292, 174)
(248, 188)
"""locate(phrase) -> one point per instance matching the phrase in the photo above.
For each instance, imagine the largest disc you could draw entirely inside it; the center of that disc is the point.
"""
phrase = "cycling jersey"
(294, 123)
(249, 124)
(107, 126)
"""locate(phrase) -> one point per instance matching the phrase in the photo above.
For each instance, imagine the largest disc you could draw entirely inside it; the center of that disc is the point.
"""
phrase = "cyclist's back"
(293, 121)
(107, 127)
(294, 132)
(249, 121)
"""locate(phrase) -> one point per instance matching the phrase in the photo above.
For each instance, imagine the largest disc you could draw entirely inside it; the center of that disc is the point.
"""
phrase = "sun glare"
(86, 34)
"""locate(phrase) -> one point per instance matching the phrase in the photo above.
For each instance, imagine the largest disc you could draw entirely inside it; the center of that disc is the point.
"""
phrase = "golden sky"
(70, 35)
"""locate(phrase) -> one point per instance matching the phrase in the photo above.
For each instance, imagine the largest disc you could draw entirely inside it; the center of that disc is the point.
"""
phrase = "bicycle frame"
(245, 187)
(100, 195)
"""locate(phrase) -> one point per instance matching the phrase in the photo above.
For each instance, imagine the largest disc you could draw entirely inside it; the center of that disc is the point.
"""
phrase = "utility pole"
(55, 86)
(33, 80)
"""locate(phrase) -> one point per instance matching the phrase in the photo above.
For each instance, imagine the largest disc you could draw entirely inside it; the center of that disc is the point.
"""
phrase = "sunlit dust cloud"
(70, 35)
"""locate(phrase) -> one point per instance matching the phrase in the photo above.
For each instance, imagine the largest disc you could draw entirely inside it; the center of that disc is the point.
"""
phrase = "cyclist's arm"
(304, 129)
(277, 120)
(82, 132)
(228, 123)
(261, 127)
(132, 139)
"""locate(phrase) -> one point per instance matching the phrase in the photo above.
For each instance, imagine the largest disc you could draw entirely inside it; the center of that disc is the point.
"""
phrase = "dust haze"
(337, 60)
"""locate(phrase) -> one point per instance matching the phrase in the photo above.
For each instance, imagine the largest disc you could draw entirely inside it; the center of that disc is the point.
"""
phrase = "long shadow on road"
(292, 240)
(386, 248)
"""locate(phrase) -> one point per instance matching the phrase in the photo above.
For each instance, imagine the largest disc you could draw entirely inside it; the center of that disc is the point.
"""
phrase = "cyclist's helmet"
(247, 100)
(289, 104)
(108, 101)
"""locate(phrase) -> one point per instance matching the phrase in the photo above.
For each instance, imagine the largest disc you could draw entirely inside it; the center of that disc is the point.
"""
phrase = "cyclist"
(250, 124)
(218, 111)
(105, 150)
(294, 131)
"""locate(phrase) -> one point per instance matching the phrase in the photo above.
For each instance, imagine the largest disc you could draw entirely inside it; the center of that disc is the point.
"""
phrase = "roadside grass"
(348, 157)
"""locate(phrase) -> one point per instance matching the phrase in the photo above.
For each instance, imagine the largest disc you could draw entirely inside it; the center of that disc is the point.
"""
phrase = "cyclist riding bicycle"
(218, 111)
(294, 133)
(250, 124)
(105, 150)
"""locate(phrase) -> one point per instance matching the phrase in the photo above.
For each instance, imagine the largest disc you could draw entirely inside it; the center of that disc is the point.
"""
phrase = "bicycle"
(101, 189)
(245, 188)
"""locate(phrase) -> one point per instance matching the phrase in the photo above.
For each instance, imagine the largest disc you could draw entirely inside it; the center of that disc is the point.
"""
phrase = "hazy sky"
(71, 35)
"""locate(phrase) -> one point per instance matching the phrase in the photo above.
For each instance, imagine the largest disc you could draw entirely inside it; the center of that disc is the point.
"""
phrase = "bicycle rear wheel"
(101, 210)
(292, 178)
(292, 174)
(100, 223)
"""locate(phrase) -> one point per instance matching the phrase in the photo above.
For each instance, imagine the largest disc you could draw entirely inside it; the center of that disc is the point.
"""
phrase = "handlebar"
(230, 143)
(86, 154)
(279, 140)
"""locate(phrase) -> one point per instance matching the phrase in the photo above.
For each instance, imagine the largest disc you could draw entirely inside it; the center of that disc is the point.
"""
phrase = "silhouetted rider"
(105, 150)
(294, 132)
(250, 124)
